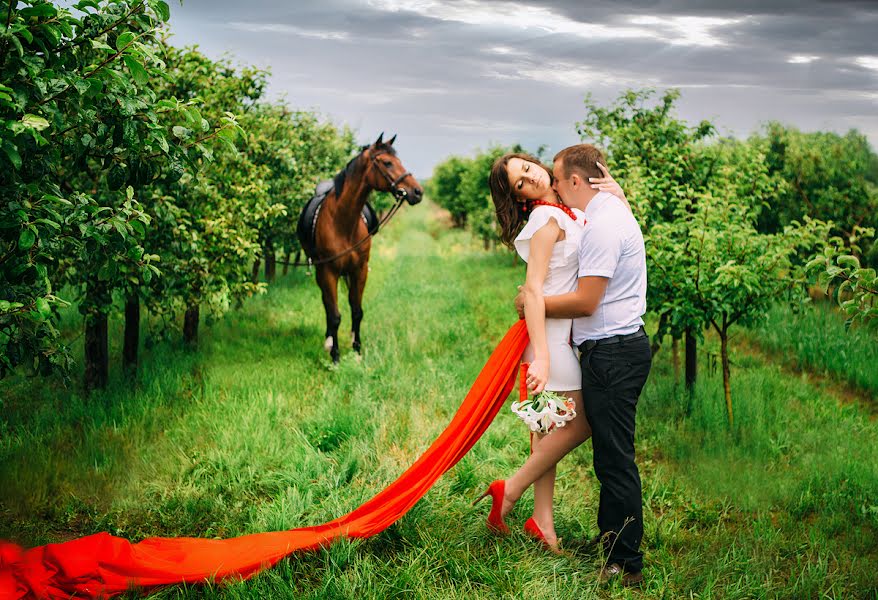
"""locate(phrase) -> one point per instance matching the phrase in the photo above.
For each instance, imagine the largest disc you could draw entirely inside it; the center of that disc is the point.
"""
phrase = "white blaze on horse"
(336, 227)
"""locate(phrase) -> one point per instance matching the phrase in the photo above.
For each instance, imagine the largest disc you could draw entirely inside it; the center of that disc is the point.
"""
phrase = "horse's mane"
(339, 180)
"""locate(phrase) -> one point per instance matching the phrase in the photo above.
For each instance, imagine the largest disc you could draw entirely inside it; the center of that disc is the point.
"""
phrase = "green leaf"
(51, 224)
(25, 33)
(82, 85)
(52, 33)
(95, 87)
(43, 308)
(227, 133)
(848, 260)
(12, 152)
(163, 143)
(180, 132)
(123, 40)
(18, 45)
(138, 227)
(5, 305)
(137, 71)
(26, 239)
(57, 199)
(40, 10)
(162, 10)
(193, 116)
(34, 122)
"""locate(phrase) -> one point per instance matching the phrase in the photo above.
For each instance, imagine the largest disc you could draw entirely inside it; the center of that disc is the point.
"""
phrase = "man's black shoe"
(614, 571)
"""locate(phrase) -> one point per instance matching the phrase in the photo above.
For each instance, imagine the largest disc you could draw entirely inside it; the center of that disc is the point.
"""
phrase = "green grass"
(815, 338)
(256, 431)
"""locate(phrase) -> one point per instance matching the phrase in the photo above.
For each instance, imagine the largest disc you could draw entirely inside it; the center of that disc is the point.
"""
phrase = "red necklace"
(565, 208)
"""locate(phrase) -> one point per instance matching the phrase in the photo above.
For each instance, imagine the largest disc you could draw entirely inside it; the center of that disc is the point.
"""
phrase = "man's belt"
(616, 339)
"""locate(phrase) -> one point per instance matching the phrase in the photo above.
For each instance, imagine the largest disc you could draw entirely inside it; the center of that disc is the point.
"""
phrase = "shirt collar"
(595, 204)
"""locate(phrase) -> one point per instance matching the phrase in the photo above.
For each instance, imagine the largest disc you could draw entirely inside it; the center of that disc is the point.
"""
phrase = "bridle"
(398, 192)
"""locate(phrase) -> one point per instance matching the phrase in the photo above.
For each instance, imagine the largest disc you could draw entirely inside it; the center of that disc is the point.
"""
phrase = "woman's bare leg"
(544, 508)
(547, 451)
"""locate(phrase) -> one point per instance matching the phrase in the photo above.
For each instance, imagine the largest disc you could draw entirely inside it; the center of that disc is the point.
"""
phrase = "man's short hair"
(580, 159)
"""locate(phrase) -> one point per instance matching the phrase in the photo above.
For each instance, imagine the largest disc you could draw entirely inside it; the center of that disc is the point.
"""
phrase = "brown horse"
(342, 240)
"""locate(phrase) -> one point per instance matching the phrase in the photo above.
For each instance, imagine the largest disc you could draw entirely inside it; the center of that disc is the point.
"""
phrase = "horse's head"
(385, 172)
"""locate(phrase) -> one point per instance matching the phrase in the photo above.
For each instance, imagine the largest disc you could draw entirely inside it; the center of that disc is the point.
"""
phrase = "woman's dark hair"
(511, 214)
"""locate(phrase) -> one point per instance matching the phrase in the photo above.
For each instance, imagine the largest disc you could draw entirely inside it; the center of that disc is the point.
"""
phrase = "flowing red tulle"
(102, 565)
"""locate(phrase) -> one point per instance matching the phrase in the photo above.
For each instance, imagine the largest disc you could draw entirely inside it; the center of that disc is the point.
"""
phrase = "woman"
(546, 234)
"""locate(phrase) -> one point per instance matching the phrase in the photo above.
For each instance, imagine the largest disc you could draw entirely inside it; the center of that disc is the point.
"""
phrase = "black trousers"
(612, 378)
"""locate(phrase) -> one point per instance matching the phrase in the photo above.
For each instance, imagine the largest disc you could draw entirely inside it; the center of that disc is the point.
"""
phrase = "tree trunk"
(255, 276)
(727, 386)
(675, 349)
(96, 358)
(286, 262)
(132, 334)
(190, 325)
(270, 261)
(691, 359)
(270, 267)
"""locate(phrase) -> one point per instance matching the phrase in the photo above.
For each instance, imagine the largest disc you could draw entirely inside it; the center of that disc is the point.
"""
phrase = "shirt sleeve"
(599, 251)
(539, 217)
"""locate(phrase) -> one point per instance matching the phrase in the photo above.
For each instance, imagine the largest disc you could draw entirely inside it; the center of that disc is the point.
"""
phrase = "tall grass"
(815, 338)
(257, 431)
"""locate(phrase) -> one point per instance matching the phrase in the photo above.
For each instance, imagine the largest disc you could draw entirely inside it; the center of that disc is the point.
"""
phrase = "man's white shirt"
(612, 247)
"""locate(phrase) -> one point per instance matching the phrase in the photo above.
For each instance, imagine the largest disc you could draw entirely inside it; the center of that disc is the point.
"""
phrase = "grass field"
(815, 339)
(256, 432)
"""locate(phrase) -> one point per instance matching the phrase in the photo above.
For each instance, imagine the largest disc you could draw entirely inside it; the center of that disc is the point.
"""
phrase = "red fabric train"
(102, 565)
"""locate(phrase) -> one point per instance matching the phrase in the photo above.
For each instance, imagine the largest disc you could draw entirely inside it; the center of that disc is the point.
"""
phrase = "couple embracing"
(585, 285)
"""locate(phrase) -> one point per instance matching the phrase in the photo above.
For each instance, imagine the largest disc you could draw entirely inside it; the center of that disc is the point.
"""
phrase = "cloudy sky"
(451, 76)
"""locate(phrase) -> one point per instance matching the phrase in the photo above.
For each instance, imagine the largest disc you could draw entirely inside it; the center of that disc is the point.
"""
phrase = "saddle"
(307, 227)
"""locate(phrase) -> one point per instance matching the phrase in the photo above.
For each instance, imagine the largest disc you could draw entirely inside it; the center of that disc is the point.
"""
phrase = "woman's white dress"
(562, 277)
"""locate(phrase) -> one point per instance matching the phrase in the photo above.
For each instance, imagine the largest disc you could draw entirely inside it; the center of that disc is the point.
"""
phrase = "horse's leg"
(356, 285)
(327, 279)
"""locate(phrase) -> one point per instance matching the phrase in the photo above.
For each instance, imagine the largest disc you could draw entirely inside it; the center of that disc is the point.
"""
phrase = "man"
(615, 359)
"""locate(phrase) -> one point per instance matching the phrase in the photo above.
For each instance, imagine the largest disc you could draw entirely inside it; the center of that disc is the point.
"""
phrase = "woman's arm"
(608, 184)
(541, 245)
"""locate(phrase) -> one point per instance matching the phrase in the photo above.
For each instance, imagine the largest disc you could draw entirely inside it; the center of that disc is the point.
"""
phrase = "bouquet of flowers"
(542, 412)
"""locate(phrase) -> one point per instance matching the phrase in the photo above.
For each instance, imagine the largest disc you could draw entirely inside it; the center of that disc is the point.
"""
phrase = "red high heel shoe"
(495, 517)
(532, 529)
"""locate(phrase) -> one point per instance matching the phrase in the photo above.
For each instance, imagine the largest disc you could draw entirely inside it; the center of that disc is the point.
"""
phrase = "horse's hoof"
(327, 345)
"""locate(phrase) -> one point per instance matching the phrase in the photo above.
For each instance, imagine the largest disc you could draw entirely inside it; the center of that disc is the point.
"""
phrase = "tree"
(475, 194)
(828, 176)
(70, 114)
(730, 274)
(445, 186)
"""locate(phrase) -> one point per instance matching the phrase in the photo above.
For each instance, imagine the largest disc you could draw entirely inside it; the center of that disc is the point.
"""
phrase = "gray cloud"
(451, 76)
